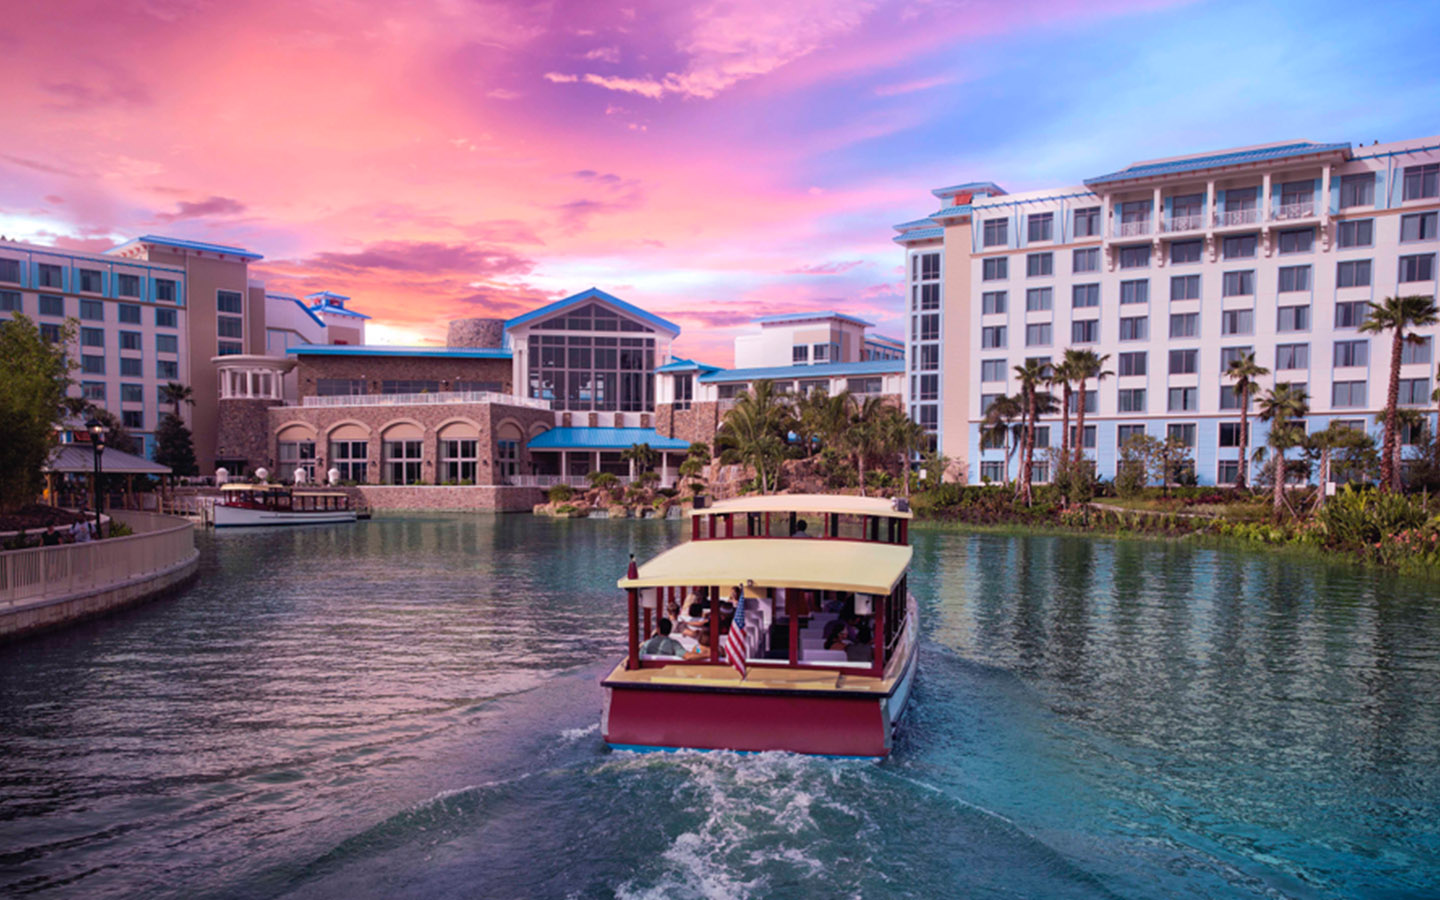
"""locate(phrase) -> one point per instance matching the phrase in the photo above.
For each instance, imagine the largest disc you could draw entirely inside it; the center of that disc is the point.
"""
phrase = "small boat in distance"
(273, 504)
(791, 628)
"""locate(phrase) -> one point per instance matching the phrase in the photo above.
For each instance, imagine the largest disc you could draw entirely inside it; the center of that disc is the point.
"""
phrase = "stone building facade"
(326, 370)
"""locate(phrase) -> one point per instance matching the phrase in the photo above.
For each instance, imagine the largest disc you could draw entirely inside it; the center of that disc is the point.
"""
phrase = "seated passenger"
(800, 530)
(663, 644)
(835, 635)
(860, 650)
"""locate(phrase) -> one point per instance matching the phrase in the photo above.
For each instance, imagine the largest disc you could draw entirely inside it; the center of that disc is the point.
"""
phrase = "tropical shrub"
(1366, 519)
(559, 493)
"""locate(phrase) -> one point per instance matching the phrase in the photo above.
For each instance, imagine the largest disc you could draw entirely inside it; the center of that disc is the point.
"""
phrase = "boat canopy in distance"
(816, 565)
(840, 504)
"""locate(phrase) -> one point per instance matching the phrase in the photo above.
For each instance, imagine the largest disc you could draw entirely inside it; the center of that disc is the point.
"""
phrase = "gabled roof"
(919, 234)
(572, 438)
(990, 186)
(80, 457)
(685, 365)
(1219, 160)
(804, 316)
(177, 243)
(825, 370)
(296, 300)
(586, 296)
(388, 350)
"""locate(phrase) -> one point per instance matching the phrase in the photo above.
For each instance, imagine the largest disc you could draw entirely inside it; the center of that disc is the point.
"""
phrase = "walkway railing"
(545, 481)
(41, 573)
(422, 399)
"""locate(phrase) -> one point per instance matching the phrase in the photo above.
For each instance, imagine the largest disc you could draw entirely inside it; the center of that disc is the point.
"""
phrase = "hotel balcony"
(1132, 229)
(1291, 212)
(1237, 218)
(423, 399)
(1175, 224)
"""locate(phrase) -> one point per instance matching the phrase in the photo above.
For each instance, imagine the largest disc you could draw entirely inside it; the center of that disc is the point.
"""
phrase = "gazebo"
(79, 459)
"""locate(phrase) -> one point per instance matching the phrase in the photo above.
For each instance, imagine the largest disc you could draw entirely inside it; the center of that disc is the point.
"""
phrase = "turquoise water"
(409, 708)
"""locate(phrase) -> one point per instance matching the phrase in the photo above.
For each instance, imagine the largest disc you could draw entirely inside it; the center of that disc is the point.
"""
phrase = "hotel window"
(992, 370)
(1238, 284)
(929, 331)
(1347, 394)
(92, 390)
(133, 418)
(1302, 241)
(929, 416)
(1184, 399)
(1042, 436)
(1085, 331)
(507, 458)
(992, 471)
(1087, 222)
(295, 455)
(1229, 355)
(928, 265)
(1041, 226)
(1418, 352)
(997, 232)
(1230, 434)
(166, 343)
(10, 301)
(92, 337)
(47, 275)
(1038, 265)
(997, 268)
(339, 387)
(1085, 295)
(1186, 251)
(1043, 362)
(458, 460)
(1421, 182)
(1228, 398)
(165, 318)
(1181, 433)
(1134, 292)
(1354, 273)
(800, 354)
(1237, 321)
(1130, 363)
(822, 353)
(92, 310)
(1186, 211)
(92, 365)
(1240, 246)
(1037, 334)
(991, 337)
(1417, 268)
(1359, 233)
(684, 391)
(1418, 227)
(1294, 278)
(132, 393)
(1135, 217)
(992, 438)
(1227, 471)
(1412, 433)
(127, 285)
(129, 340)
(992, 302)
(1357, 190)
(51, 305)
(929, 296)
(348, 457)
(409, 386)
(1135, 257)
(165, 369)
(1135, 328)
(1184, 362)
(1124, 433)
(1087, 260)
(129, 313)
(1352, 353)
(1092, 401)
(90, 281)
(1088, 440)
(402, 461)
(49, 333)
(164, 290)
(229, 302)
(131, 367)
(229, 348)
(1297, 198)
(876, 385)
(986, 401)
(1241, 201)
(1414, 392)
(1292, 318)
(1184, 325)
(1130, 400)
(930, 354)
(1039, 299)
(10, 270)
(1185, 287)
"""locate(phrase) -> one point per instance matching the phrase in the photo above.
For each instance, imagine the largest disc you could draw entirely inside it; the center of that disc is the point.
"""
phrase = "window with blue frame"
(92, 310)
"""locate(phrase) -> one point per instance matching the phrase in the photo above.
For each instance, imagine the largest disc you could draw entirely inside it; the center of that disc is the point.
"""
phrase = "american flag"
(735, 643)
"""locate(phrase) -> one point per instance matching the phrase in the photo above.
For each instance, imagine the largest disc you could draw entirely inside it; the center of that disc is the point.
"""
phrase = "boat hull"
(239, 516)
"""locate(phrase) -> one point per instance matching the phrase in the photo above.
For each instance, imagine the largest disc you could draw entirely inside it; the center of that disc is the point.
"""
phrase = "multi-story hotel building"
(1172, 268)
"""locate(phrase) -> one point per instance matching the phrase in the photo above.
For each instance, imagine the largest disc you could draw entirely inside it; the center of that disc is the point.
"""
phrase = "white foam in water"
(575, 734)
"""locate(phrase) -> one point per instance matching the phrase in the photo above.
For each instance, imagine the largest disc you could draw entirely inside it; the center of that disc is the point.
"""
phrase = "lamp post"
(97, 443)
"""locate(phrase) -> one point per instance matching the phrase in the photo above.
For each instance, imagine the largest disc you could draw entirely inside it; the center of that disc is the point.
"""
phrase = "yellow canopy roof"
(810, 563)
(845, 504)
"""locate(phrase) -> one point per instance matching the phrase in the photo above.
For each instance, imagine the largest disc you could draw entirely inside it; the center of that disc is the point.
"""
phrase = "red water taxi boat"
(822, 656)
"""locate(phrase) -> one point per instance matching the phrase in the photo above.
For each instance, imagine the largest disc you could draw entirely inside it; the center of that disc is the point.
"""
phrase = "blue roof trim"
(1217, 160)
(686, 365)
(383, 350)
(819, 314)
(919, 234)
(296, 300)
(968, 186)
(573, 438)
(593, 294)
(885, 338)
(193, 245)
(326, 295)
(915, 223)
(949, 211)
(337, 311)
(827, 370)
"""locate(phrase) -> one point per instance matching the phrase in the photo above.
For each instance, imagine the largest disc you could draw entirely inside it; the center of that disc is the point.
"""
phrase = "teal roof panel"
(572, 438)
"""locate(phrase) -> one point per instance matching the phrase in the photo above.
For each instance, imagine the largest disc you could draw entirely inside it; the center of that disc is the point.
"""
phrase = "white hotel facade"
(1172, 267)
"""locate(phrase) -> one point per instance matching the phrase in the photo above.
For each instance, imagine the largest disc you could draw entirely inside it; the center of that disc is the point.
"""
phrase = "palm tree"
(907, 437)
(177, 393)
(1415, 420)
(1065, 373)
(1325, 444)
(1284, 407)
(1396, 314)
(1243, 372)
(1088, 365)
(755, 427)
(866, 435)
(999, 415)
(1031, 375)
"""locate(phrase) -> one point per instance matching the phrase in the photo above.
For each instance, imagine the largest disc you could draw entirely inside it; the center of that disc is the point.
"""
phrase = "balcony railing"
(1237, 217)
(548, 481)
(1289, 211)
(1130, 229)
(422, 399)
(1185, 223)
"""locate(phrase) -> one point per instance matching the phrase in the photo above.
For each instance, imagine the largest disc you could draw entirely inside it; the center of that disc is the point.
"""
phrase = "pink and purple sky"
(711, 162)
